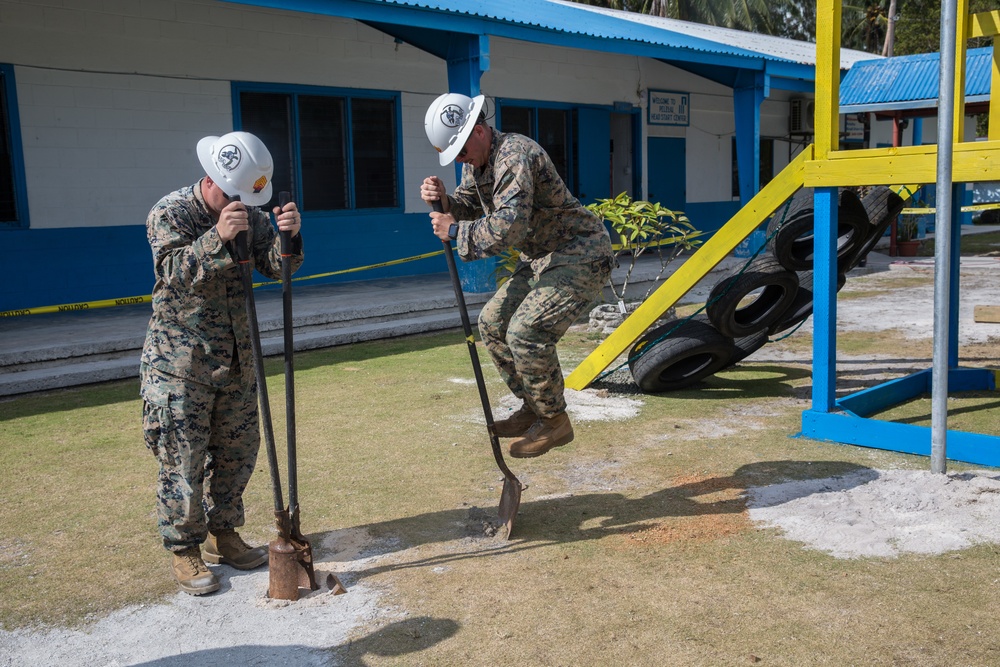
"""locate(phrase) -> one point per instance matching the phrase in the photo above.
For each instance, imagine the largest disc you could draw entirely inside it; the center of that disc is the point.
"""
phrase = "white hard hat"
(449, 122)
(240, 164)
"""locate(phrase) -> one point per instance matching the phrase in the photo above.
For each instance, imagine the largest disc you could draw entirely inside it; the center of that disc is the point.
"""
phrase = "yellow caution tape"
(965, 209)
(83, 305)
(131, 300)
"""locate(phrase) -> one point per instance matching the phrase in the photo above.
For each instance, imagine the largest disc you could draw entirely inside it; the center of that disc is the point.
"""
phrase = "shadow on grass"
(580, 518)
(394, 640)
(739, 381)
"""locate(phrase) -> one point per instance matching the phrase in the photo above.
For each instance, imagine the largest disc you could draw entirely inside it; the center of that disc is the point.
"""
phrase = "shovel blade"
(303, 555)
(510, 501)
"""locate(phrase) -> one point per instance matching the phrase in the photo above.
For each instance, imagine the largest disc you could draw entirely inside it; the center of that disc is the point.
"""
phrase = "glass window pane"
(552, 135)
(373, 146)
(766, 161)
(268, 116)
(323, 151)
(8, 206)
(518, 119)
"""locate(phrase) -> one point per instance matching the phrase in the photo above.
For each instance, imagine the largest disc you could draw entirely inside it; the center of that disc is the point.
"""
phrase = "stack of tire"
(771, 294)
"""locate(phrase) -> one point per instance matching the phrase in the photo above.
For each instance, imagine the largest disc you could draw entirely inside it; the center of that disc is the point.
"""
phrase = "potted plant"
(907, 243)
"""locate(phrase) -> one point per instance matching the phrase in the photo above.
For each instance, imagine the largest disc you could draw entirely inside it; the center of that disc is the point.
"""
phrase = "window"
(551, 128)
(337, 152)
(766, 165)
(12, 188)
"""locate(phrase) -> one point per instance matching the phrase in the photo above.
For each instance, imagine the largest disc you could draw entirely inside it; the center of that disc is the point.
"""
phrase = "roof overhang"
(431, 26)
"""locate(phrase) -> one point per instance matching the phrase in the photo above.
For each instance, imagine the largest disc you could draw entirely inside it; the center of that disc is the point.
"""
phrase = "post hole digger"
(290, 554)
(510, 497)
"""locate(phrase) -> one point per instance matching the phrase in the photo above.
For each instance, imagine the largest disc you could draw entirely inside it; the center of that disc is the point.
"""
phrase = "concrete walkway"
(41, 352)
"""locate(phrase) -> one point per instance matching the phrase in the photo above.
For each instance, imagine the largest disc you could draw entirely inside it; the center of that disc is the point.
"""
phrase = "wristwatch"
(453, 231)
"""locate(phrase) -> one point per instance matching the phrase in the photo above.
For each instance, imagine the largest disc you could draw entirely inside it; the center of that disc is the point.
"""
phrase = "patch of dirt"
(725, 513)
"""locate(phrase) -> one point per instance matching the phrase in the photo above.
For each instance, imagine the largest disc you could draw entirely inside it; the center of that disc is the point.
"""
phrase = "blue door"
(666, 173)
(594, 132)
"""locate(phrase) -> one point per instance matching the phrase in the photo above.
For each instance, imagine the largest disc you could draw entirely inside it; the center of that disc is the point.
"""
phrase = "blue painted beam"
(748, 95)
(975, 448)
(884, 396)
(825, 203)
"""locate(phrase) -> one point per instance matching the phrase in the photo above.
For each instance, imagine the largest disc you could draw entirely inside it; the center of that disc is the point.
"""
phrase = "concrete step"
(69, 366)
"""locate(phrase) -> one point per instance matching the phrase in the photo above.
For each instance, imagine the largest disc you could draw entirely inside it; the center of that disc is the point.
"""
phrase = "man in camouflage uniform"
(510, 195)
(197, 376)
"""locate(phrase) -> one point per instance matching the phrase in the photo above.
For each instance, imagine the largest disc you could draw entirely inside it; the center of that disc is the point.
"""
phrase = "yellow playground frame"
(822, 167)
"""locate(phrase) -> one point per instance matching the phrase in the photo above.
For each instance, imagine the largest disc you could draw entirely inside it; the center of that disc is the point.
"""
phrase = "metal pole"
(942, 238)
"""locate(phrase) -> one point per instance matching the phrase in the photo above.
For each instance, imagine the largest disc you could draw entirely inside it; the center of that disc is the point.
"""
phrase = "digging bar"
(279, 549)
(300, 559)
(510, 497)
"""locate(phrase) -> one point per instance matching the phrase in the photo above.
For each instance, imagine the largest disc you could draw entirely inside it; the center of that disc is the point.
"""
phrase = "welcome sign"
(669, 108)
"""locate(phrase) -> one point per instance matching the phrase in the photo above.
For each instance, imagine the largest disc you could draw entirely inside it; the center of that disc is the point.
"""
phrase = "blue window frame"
(13, 190)
(335, 149)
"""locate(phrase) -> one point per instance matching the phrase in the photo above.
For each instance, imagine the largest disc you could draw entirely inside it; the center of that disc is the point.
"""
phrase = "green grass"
(632, 546)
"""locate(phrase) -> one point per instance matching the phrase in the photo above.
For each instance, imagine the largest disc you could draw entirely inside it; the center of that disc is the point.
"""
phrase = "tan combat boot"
(227, 547)
(191, 573)
(517, 424)
(543, 436)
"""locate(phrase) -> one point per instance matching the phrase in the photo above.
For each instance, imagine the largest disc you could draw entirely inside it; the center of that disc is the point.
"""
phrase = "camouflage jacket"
(518, 199)
(199, 307)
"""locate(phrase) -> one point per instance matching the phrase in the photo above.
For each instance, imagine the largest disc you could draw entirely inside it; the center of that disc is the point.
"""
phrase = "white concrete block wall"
(109, 89)
(101, 149)
(87, 120)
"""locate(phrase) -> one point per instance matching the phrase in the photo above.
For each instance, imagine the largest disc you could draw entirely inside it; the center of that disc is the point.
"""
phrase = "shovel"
(510, 497)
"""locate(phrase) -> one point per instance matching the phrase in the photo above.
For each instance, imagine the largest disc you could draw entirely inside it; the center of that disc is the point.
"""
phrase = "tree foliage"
(863, 27)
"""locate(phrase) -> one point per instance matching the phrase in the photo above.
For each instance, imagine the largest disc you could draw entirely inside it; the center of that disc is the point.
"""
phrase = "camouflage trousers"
(206, 442)
(524, 320)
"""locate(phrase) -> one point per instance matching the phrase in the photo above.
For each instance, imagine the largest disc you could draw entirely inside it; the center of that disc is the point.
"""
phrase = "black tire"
(747, 345)
(790, 234)
(882, 206)
(694, 351)
(802, 306)
(777, 286)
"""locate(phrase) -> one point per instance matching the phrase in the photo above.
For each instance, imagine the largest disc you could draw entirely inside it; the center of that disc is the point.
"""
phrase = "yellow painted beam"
(984, 24)
(827, 121)
(963, 21)
(971, 162)
(993, 131)
(723, 242)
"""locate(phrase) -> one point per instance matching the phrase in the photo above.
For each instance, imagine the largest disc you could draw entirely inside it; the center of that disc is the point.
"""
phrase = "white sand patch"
(884, 513)
(238, 625)
(911, 309)
(583, 406)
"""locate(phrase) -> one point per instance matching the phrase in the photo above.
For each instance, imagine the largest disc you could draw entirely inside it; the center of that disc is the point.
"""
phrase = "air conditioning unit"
(801, 112)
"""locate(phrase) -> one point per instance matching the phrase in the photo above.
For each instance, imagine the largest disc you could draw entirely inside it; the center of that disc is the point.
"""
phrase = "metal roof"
(910, 82)
(767, 45)
(573, 18)
(715, 53)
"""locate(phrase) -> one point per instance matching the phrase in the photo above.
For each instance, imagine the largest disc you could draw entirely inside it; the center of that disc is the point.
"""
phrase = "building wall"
(113, 95)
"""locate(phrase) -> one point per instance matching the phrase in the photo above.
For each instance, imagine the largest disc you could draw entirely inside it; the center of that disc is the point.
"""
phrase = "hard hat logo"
(240, 164)
(449, 121)
(453, 116)
(229, 157)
